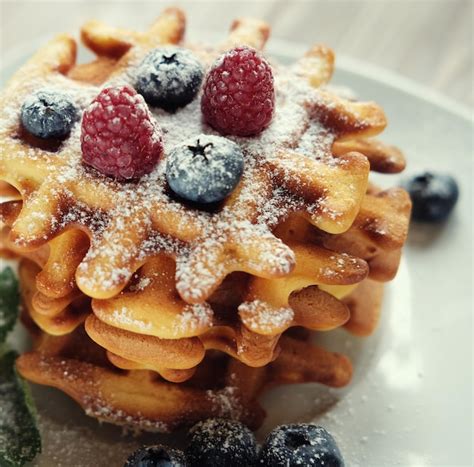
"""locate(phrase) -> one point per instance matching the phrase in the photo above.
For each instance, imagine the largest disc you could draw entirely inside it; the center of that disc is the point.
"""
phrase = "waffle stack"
(155, 314)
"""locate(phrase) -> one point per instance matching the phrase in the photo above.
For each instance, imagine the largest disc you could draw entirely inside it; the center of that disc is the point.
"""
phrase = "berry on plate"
(219, 443)
(300, 444)
(204, 169)
(239, 94)
(154, 456)
(48, 114)
(433, 196)
(119, 136)
(169, 77)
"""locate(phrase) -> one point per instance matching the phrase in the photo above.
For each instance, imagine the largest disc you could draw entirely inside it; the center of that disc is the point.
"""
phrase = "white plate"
(410, 403)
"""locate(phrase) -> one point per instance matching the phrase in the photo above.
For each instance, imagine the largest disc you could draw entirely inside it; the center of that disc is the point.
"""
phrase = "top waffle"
(303, 163)
(88, 231)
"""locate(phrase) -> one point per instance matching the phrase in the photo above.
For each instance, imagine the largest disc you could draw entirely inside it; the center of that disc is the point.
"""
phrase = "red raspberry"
(239, 96)
(119, 137)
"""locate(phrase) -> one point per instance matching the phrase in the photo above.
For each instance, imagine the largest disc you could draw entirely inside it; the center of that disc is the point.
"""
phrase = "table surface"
(430, 41)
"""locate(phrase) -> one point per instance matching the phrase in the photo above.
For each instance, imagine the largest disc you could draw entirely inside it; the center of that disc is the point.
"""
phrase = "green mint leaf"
(20, 439)
(9, 301)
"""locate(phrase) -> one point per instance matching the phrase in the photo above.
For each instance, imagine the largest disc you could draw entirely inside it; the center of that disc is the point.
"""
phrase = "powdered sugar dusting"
(194, 317)
(226, 402)
(124, 317)
(140, 219)
(142, 284)
(99, 409)
(262, 317)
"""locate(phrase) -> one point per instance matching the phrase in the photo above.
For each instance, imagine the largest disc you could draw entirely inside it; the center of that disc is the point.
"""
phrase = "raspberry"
(119, 137)
(239, 96)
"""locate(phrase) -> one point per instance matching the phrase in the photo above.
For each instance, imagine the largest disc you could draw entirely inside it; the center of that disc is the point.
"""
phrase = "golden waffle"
(364, 304)
(160, 290)
(130, 340)
(128, 299)
(59, 319)
(207, 246)
(377, 234)
(138, 398)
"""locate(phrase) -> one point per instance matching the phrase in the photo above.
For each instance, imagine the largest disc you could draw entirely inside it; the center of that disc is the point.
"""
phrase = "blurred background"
(429, 41)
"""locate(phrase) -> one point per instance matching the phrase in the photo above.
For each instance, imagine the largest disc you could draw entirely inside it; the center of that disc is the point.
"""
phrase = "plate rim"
(381, 74)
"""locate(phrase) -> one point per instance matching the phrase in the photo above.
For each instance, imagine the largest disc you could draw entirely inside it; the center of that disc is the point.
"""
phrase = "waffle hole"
(9, 191)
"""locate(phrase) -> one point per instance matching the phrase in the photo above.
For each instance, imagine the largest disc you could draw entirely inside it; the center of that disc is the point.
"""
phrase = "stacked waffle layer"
(154, 313)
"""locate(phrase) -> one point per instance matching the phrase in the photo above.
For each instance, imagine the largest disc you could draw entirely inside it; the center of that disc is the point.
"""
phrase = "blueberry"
(433, 195)
(298, 445)
(169, 77)
(205, 169)
(48, 114)
(218, 443)
(156, 456)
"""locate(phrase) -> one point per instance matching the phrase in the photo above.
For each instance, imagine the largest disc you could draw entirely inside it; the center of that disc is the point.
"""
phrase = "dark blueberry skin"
(169, 77)
(298, 445)
(156, 456)
(219, 443)
(204, 170)
(433, 196)
(48, 114)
